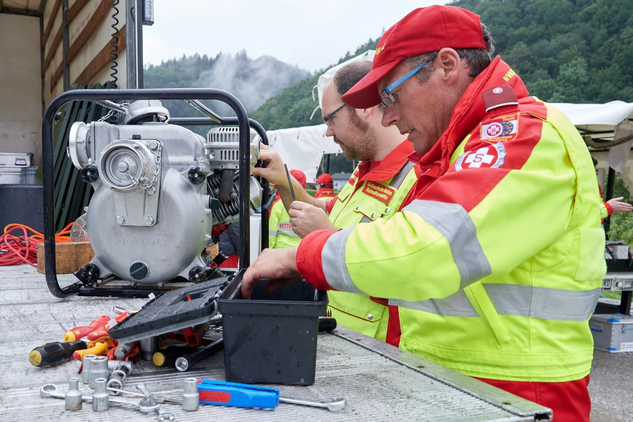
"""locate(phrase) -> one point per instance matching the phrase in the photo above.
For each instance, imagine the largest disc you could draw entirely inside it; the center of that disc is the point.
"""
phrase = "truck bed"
(380, 382)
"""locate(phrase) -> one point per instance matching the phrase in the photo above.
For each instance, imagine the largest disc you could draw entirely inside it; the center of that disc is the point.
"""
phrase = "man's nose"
(389, 117)
(329, 131)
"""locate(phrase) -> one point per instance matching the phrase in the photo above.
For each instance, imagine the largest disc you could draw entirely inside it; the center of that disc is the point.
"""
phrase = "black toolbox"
(272, 338)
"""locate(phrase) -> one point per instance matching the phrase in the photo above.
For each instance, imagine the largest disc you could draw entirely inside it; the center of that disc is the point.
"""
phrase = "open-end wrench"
(333, 406)
(154, 397)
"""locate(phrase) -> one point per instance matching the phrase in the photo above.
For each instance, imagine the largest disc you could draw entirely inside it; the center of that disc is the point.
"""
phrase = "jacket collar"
(389, 166)
(470, 111)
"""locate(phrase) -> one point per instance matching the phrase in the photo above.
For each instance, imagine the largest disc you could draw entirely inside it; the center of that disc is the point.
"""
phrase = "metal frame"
(242, 122)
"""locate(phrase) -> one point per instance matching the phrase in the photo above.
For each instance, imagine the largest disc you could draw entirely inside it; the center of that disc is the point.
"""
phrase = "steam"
(251, 81)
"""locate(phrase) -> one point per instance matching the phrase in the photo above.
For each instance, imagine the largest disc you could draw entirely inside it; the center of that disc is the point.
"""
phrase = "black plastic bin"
(272, 338)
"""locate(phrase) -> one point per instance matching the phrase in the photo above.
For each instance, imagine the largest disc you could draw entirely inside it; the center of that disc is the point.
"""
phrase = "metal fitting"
(98, 369)
(148, 346)
(73, 397)
(191, 397)
(87, 367)
(119, 376)
(120, 219)
(101, 396)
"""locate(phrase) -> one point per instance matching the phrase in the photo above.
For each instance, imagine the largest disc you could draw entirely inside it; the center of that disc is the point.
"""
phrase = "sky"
(309, 34)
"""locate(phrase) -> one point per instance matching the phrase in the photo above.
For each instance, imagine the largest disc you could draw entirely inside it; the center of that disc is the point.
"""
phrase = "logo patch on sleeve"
(503, 130)
(379, 192)
(491, 156)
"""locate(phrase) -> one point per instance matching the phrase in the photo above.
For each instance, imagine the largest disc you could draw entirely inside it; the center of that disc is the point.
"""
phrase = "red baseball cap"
(424, 30)
(325, 179)
(300, 176)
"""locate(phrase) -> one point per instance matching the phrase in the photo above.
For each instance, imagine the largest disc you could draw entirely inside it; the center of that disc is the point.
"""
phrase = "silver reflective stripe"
(366, 219)
(454, 305)
(516, 300)
(542, 302)
(399, 178)
(334, 265)
(272, 233)
(454, 223)
(289, 234)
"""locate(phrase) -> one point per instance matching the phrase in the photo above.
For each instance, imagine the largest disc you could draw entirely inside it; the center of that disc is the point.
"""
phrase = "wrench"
(334, 406)
(51, 390)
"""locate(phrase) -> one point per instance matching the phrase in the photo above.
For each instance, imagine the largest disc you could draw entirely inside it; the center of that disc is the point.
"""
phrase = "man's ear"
(366, 113)
(449, 62)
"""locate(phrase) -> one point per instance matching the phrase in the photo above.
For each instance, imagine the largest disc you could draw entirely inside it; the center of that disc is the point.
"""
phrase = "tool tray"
(272, 338)
(172, 311)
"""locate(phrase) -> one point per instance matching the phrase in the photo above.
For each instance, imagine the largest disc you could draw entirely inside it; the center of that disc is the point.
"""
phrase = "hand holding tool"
(82, 331)
(292, 191)
(51, 354)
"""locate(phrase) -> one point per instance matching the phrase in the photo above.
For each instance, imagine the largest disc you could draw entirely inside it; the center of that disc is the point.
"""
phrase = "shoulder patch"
(491, 156)
(501, 129)
(499, 96)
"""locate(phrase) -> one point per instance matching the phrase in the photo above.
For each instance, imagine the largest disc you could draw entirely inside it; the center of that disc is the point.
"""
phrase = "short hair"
(477, 59)
(349, 75)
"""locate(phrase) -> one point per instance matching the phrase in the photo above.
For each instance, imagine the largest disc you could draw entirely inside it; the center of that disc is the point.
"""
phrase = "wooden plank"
(101, 60)
(95, 20)
(51, 20)
(57, 40)
(69, 257)
(74, 10)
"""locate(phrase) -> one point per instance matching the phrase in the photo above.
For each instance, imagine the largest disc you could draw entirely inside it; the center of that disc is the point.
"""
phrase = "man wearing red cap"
(325, 187)
(494, 263)
(377, 188)
(280, 234)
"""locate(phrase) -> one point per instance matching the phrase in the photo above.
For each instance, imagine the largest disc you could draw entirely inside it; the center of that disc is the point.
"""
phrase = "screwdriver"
(51, 354)
(168, 355)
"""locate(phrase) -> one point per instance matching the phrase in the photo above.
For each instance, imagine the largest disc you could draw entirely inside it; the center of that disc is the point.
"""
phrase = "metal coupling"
(148, 346)
(119, 375)
(73, 398)
(191, 397)
(98, 369)
(101, 396)
(87, 366)
(122, 350)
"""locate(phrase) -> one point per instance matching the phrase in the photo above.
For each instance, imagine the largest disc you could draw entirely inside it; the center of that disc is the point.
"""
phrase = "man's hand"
(619, 206)
(306, 218)
(279, 266)
(274, 170)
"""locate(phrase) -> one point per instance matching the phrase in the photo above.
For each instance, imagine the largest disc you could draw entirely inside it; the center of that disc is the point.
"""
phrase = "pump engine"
(158, 191)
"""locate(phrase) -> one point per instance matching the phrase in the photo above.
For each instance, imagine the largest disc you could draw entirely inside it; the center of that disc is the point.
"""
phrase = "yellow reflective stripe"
(516, 300)
(334, 265)
(453, 222)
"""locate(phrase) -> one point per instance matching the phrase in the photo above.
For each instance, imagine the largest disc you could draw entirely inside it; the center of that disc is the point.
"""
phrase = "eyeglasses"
(331, 115)
(387, 98)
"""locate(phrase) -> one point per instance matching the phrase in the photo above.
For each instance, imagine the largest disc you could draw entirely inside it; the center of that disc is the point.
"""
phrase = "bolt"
(233, 195)
(149, 221)
(122, 167)
(120, 219)
(153, 145)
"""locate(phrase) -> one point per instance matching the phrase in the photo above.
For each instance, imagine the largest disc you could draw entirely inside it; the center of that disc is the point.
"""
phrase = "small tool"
(292, 191)
(56, 353)
(244, 395)
(186, 362)
(168, 355)
(79, 332)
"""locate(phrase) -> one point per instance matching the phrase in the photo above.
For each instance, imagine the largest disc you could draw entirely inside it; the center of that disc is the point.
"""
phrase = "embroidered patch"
(284, 226)
(503, 130)
(379, 192)
(492, 156)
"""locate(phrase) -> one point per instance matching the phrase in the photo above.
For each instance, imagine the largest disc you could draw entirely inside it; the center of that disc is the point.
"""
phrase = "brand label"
(138, 241)
(626, 346)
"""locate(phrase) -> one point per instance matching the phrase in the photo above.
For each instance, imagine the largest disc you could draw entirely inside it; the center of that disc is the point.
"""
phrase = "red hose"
(17, 250)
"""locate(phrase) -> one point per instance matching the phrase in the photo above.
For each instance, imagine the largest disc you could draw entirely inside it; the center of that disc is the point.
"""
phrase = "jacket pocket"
(591, 263)
(480, 300)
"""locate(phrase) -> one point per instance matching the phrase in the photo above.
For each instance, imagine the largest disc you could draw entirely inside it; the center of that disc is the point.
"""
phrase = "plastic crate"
(612, 332)
(272, 338)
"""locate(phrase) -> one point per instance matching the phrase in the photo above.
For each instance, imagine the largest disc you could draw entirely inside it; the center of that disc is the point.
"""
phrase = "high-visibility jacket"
(325, 194)
(280, 234)
(374, 191)
(495, 263)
